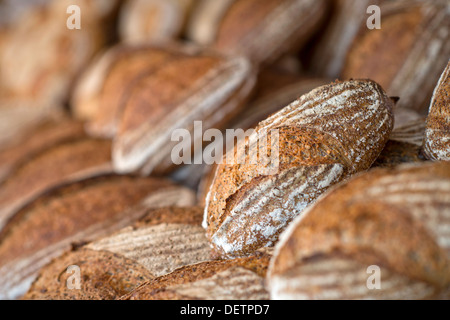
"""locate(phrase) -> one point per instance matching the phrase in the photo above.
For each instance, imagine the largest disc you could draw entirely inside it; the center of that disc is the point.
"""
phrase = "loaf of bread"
(40, 164)
(42, 56)
(144, 21)
(230, 279)
(344, 22)
(35, 139)
(407, 55)
(436, 143)
(158, 243)
(75, 212)
(260, 30)
(273, 92)
(148, 92)
(324, 137)
(382, 235)
(205, 19)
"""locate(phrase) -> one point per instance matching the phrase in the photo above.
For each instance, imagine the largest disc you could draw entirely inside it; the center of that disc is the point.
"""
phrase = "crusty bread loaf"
(324, 137)
(408, 53)
(141, 94)
(62, 162)
(36, 139)
(144, 21)
(188, 87)
(343, 23)
(394, 219)
(436, 143)
(111, 266)
(274, 91)
(41, 56)
(265, 30)
(232, 279)
(74, 212)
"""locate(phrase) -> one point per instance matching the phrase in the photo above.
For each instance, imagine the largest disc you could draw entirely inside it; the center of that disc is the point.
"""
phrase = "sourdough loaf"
(232, 279)
(324, 137)
(144, 21)
(111, 266)
(264, 30)
(41, 56)
(407, 55)
(62, 162)
(75, 212)
(394, 221)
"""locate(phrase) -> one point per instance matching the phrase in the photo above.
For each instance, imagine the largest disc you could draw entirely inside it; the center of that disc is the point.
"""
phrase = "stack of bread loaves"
(224, 150)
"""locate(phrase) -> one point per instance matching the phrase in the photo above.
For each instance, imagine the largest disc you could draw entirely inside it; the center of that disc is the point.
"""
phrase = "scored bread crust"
(436, 144)
(324, 137)
(392, 218)
(211, 89)
(161, 241)
(78, 211)
(193, 281)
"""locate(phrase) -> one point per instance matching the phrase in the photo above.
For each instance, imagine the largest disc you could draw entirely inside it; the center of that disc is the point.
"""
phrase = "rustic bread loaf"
(78, 211)
(232, 279)
(37, 138)
(436, 143)
(160, 242)
(141, 94)
(329, 51)
(273, 92)
(205, 19)
(41, 56)
(189, 87)
(265, 30)
(408, 53)
(324, 137)
(103, 89)
(144, 21)
(394, 220)
(62, 162)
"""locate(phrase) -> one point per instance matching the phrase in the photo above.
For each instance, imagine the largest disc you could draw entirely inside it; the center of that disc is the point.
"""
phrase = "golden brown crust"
(43, 57)
(360, 62)
(127, 65)
(56, 215)
(143, 21)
